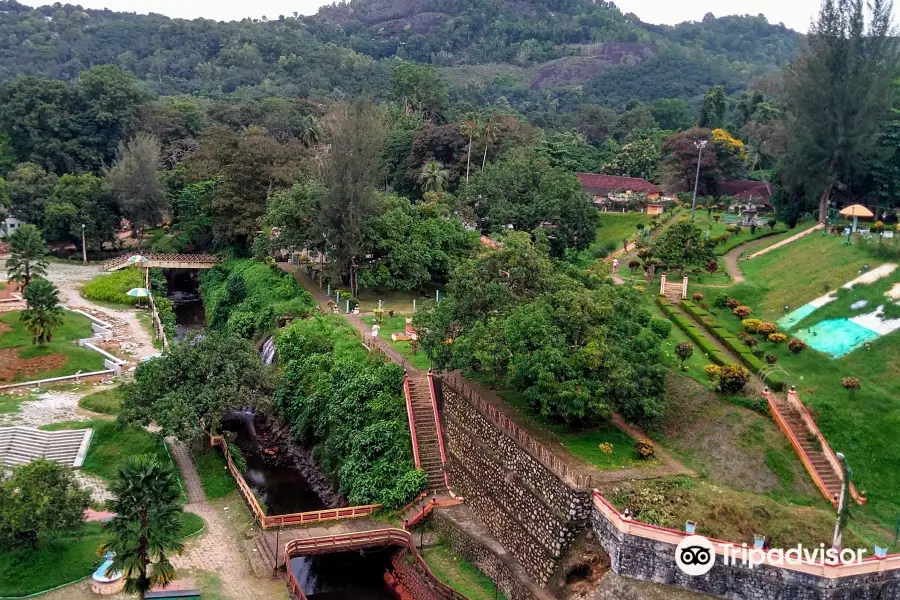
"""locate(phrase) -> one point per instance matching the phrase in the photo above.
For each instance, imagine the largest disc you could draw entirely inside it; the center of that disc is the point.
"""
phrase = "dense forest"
(538, 57)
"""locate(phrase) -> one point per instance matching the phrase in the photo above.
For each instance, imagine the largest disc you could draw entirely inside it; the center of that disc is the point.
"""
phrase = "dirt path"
(731, 259)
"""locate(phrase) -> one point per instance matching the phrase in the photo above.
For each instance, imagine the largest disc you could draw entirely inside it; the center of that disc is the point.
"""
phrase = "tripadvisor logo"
(695, 555)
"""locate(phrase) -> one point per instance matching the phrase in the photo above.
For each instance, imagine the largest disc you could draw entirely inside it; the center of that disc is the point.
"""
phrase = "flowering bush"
(771, 359)
(712, 266)
(698, 297)
(878, 226)
(733, 378)
(796, 346)
(777, 338)
(732, 303)
(742, 312)
(639, 289)
(850, 383)
(751, 341)
(712, 371)
(606, 448)
(644, 448)
(751, 325)
(684, 351)
(765, 328)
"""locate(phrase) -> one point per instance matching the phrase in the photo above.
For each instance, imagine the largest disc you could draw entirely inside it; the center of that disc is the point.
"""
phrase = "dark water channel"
(184, 292)
(285, 485)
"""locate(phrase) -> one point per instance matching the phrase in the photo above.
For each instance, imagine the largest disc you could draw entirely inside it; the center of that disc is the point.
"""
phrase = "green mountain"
(537, 56)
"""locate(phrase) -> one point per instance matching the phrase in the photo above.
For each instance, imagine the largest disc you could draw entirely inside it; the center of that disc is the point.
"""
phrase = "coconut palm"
(433, 177)
(27, 255)
(43, 314)
(469, 129)
(490, 133)
(147, 527)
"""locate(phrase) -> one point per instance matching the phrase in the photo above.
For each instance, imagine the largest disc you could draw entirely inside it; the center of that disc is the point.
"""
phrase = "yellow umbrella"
(856, 211)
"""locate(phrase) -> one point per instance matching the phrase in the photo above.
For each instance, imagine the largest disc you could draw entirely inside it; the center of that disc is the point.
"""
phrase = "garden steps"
(22, 445)
(810, 446)
(427, 431)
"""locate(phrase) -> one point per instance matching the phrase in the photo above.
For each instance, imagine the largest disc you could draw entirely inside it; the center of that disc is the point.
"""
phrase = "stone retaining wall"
(652, 560)
(532, 512)
(483, 558)
(411, 578)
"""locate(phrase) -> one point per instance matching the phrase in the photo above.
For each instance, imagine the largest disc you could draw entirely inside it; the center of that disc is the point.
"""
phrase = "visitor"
(625, 243)
(615, 265)
(375, 329)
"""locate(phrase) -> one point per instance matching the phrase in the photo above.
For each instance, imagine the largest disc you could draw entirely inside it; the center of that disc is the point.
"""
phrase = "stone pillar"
(662, 284)
(684, 287)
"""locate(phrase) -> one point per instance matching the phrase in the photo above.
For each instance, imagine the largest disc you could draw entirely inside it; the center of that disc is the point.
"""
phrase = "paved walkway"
(189, 476)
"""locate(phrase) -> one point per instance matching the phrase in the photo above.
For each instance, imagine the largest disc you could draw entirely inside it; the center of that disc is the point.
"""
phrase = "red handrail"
(439, 429)
(412, 420)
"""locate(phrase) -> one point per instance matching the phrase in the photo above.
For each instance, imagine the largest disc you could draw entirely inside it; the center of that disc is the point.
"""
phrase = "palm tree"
(310, 133)
(469, 129)
(27, 255)
(490, 133)
(43, 314)
(433, 177)
(147, 525)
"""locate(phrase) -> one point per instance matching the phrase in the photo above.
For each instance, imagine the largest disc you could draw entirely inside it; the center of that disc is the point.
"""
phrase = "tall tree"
(469, 129)
(43, 313)
(134, 179)
(40, 497)
(838, 95)
(713, 109)
(433, 177)
(353, 168)
(146, 530)
(82, 200)
(419, 88)
(29, 188)
(27, 255)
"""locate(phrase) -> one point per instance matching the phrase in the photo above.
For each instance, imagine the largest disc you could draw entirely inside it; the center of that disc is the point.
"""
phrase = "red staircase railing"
(439, 429)
(412, 421)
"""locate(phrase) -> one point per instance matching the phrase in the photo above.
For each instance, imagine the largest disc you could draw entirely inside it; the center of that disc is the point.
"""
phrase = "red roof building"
(746, 190)
(612, 188)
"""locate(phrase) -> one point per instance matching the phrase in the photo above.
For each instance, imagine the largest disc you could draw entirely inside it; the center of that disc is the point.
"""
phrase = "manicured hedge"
(697, 336)
(714, 326)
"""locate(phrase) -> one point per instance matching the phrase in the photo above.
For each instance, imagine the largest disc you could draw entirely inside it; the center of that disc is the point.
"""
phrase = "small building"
(612, 191)
(655, 209)
(755, 194)
(9, 226)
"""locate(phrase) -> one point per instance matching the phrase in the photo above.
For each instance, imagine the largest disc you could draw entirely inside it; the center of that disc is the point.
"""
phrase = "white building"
(8, 226)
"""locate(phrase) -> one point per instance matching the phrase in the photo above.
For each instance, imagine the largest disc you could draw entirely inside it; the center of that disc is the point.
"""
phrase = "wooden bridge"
(164, 261)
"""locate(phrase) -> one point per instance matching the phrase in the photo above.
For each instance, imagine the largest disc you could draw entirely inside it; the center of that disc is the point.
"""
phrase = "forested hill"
(528, 53)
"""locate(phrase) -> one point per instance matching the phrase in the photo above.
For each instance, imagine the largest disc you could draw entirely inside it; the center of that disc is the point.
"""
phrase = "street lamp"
(700, 145)
(83, 246)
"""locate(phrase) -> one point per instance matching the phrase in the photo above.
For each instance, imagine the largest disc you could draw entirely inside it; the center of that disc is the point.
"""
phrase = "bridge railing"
(158, 326)
(357, 541)
(122, 260)
(287, 520)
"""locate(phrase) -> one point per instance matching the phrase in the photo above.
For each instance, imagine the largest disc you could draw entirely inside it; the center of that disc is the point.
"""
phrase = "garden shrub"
(742, 312)
(661, 327)
(689, 328)
(733, 378)
(796, 346)
(113, 287)
(644, 448)
(698, 297)
(712, 371)
(721, 300)
(771, 359)
(777, 338)
(766, 328)
(732, 303)
(751, 325)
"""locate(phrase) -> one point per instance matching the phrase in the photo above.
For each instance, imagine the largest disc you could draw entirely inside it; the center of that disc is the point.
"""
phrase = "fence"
(186, 261)
(357, 541)
(292, 519)
(540, 453)
(158, 326)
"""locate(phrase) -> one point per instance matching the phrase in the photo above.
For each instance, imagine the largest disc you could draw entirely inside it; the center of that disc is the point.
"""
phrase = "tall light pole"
(700, 145)
(83, 247)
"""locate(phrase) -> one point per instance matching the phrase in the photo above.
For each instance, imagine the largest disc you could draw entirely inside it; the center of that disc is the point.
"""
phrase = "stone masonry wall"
(482, 558)
(550, 528)
(410, 577)
(525, 506)
(649, 560)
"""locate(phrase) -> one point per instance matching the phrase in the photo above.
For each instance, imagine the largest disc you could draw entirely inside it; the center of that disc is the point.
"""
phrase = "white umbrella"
(138, 259)
(138, 293)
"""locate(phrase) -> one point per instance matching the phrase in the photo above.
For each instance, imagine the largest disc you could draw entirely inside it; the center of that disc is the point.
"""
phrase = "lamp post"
(700, 145)
(83, 246)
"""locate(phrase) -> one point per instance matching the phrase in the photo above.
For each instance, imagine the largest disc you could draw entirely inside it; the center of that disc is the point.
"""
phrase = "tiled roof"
(745, 189)
(604, 184)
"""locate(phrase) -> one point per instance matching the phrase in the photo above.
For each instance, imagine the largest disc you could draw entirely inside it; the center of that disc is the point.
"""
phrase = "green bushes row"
(714, 354)
(113, 287)
(715, 326)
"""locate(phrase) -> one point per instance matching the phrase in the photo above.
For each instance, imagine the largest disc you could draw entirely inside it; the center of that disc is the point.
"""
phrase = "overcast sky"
(795, 14)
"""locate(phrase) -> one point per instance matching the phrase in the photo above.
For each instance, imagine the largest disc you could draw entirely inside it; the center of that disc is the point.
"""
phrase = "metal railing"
(357, 541)
(156, 257)
(538, 451)
(292, 519)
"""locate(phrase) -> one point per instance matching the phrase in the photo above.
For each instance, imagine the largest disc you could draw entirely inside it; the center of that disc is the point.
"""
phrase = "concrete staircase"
(261, 555)
(21, 445)
(427, 432)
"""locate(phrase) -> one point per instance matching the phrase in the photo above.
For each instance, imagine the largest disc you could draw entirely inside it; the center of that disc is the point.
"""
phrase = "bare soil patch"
(4, 328)
(11, 366)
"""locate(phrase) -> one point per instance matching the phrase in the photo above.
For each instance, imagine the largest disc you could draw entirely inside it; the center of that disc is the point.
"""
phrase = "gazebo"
(856, 211)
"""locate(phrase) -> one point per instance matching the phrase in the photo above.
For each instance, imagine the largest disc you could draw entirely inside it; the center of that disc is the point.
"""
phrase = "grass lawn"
(214, 476)
(397, 324)
(113, 287)
(694, 364)
(459, 574)
(61, 559)
(585, 443)
(107, 402)
(707, 222)
(10, 404)
(397, 300)
(61, 356)
(111, 445)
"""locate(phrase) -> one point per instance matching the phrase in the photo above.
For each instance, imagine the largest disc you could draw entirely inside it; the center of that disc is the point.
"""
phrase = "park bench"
(172, 594)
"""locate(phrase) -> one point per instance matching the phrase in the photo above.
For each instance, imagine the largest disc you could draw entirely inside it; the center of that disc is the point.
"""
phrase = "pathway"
(731, 258)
